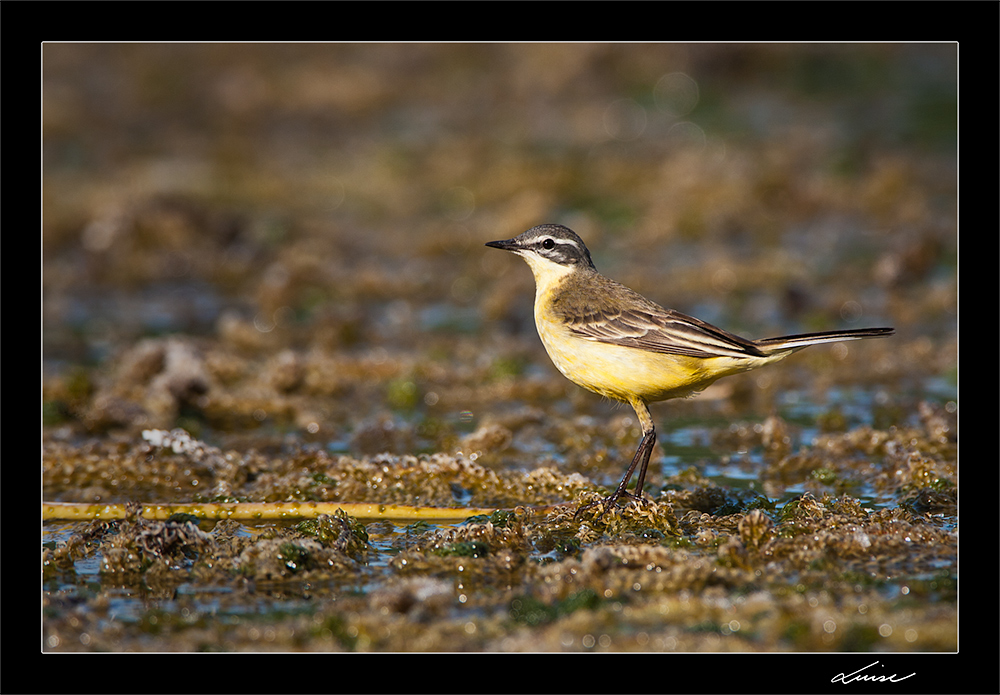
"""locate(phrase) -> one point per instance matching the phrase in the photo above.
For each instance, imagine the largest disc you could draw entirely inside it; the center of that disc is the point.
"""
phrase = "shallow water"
(293, 272)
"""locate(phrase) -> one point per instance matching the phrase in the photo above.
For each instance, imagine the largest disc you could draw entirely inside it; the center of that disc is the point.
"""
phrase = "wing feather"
(661, 330)
(597, 308)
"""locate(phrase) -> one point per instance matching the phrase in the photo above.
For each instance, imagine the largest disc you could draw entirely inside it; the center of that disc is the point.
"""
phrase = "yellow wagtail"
(613, 341)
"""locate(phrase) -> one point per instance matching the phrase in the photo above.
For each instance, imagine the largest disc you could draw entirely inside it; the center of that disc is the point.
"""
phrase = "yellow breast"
(620, 372)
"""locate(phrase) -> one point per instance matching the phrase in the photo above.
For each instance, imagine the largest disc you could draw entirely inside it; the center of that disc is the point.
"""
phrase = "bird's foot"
(608, 502)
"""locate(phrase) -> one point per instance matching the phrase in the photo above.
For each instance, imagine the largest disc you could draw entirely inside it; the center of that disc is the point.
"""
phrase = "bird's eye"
(548, 244)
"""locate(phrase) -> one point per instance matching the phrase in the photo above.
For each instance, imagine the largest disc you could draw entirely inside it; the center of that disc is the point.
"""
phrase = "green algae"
(322, 322)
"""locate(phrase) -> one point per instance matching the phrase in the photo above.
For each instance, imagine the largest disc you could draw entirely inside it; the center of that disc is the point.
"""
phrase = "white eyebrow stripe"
(560, 241)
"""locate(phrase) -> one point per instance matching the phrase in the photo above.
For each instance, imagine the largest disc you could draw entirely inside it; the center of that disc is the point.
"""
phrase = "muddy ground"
(279, 250)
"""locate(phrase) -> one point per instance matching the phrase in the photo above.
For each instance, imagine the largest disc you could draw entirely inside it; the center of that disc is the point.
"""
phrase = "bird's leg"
(648, 433)
(640, 460)
(641, 456)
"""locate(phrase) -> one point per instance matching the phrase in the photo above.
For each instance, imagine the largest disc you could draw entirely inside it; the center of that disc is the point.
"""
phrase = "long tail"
(796, 342)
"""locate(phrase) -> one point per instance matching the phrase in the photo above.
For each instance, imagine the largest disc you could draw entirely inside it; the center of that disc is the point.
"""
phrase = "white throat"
(547, 274)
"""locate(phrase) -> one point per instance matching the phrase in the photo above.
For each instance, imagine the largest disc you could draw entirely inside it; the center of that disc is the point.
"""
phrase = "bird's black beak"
(506, 245)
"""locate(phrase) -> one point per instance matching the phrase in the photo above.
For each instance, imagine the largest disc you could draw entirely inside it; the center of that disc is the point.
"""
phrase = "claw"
(608, 502)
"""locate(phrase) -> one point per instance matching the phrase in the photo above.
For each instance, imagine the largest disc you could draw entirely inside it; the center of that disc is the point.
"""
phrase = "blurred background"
(287, 239)
(280, 249)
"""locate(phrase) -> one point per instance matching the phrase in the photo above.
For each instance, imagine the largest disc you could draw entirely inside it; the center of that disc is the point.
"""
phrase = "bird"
(611, 340)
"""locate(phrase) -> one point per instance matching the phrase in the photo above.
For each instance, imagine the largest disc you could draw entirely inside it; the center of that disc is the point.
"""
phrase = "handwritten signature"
(859, 675)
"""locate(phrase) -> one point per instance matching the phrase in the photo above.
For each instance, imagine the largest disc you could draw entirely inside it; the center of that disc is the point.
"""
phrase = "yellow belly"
(625, 373)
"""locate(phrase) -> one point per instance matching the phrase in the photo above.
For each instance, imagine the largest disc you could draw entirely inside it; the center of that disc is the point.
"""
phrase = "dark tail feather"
(795, 342)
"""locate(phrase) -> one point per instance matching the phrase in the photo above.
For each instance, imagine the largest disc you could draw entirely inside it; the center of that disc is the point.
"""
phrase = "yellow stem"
(258, 511)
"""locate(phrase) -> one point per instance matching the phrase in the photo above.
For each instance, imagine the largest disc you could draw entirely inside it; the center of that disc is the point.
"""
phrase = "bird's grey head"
(552, 242)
